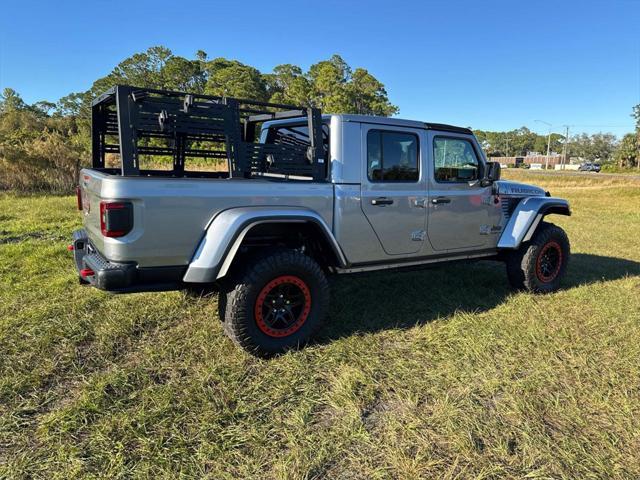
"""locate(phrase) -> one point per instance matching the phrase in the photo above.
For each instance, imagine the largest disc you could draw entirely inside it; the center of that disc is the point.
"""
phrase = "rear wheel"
(539, 265)
(277, 303)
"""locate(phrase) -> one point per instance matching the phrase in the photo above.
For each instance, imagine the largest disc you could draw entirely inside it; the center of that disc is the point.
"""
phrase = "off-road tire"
(222, 304)
(530, 268)
(243, 317)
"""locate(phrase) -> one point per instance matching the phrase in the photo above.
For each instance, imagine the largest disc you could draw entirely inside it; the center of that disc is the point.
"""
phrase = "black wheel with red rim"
(282, 306)
(277, 302)
(539, 265)
(549, 261)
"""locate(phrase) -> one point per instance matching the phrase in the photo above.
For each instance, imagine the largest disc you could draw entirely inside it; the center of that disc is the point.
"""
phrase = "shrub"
(50, 162)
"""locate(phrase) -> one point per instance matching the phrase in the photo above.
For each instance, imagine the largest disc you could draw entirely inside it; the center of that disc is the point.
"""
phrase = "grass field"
(442, 373)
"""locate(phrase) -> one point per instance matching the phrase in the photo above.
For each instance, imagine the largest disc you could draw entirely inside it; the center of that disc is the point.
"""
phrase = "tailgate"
(90, 190)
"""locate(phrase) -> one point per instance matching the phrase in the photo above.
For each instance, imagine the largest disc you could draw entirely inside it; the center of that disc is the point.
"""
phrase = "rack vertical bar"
(314, 121)
(97, 137)
(126, 131)
(237, 167)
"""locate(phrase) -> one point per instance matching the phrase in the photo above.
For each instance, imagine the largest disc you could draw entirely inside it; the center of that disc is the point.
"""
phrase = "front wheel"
(277, 303)
(539, 265)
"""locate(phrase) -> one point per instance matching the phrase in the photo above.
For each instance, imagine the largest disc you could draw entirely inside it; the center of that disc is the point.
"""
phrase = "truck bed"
(171, 214)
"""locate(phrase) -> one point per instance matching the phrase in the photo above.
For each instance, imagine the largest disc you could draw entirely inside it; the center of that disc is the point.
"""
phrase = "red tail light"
(79, 197)
(116, 218)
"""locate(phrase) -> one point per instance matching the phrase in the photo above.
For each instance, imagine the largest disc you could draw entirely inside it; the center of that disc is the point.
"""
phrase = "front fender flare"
(526, 217)
(227, 230)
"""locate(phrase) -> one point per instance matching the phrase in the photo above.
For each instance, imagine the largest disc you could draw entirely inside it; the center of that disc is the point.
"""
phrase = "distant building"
(554, 159)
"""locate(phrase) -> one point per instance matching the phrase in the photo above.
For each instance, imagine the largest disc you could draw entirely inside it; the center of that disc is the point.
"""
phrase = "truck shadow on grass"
(386, 300)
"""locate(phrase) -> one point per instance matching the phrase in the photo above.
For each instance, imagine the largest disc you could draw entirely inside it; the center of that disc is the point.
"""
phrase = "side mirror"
(492, 174)
(493, 171)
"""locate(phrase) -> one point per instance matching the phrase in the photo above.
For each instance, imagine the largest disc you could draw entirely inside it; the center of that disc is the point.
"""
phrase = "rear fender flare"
(527, 216)
(227, 230)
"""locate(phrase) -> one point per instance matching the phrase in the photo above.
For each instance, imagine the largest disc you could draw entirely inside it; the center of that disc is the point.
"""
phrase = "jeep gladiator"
(304, 196)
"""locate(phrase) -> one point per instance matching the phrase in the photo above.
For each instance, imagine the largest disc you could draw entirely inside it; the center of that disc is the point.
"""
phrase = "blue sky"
(492, 65)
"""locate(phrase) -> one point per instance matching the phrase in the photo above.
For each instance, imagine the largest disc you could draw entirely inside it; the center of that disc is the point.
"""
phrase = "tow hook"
(87, 272)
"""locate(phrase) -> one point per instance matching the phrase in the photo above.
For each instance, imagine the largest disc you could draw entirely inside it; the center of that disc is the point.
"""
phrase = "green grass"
(612, 168)
(442, 373)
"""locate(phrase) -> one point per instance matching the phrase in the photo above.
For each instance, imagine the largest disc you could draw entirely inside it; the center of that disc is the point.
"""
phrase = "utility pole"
(546, 167)
(565, 148)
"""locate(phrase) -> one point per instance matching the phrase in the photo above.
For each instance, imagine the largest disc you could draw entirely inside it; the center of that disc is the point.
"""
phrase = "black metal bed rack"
(132, 121)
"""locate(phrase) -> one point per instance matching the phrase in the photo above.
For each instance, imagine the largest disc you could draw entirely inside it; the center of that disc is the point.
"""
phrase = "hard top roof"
(391, 121)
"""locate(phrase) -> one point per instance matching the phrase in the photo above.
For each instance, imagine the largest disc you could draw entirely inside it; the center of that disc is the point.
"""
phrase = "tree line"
(601, 147)
(44, 144)
(330, 84)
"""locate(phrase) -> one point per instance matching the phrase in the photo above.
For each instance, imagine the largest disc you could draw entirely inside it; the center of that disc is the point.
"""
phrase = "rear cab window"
(293, 134)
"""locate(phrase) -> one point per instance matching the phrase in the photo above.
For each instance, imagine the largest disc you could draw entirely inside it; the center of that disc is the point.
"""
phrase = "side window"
(392, 156)
(455, 160)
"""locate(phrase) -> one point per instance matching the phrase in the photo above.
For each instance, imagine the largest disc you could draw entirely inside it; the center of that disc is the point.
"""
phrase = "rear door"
(463, 214)
(393, 187)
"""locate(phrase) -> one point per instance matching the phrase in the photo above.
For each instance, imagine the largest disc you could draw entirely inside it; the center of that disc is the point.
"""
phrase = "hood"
(517, 189)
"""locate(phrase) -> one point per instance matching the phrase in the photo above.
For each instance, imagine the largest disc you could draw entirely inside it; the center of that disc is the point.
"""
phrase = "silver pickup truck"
(303, 196)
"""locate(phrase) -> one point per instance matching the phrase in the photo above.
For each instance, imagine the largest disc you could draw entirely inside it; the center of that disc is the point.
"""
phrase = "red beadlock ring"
(302, 316)
(549, 276)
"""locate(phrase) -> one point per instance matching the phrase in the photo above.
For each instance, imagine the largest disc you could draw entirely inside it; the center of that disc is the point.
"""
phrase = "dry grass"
(50, 163)
(573, 179)
(444, 373)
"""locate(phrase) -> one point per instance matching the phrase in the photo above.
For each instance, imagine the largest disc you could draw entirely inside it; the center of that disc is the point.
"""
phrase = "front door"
(393, 188)
(462, 213)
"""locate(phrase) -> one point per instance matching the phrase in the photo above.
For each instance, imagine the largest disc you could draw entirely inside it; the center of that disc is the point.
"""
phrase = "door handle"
(438, 200)
(381, 201)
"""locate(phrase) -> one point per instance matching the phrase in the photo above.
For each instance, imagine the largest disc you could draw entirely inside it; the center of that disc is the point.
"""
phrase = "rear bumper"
(97, 271)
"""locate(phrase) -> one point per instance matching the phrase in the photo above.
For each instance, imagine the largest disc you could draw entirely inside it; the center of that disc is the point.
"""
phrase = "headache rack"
(144, 123)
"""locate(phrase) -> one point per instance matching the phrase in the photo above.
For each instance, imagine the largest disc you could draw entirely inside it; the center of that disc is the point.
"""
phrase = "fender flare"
(227, 230)
(526, 218)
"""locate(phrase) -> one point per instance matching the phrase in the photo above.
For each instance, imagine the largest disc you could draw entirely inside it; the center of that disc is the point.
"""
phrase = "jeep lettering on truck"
(304, 196)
